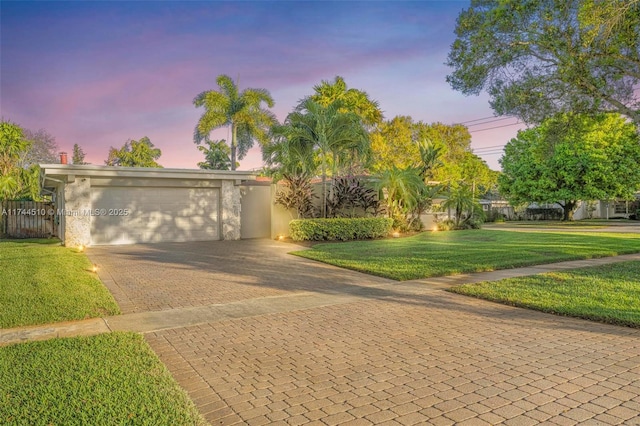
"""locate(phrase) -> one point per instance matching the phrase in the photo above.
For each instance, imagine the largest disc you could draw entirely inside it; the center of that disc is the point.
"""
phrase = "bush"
(342, 229)
(450, 224)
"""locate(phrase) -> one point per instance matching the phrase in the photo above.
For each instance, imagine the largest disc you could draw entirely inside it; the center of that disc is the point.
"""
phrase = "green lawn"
(608, 293)
(432, 254)
(110, 379)
(42, 282)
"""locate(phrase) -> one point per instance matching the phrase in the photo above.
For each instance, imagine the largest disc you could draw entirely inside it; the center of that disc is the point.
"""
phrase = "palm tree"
(216, 155)
(243, 111)
(337, 136)
(460, 200)
(353, 100)
(404, 188)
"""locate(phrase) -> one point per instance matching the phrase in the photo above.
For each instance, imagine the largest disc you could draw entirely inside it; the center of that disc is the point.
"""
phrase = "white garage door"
(128, 215)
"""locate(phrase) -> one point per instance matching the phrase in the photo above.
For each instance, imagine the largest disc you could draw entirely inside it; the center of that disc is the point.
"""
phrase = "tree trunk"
(568, 208)
(234, 143)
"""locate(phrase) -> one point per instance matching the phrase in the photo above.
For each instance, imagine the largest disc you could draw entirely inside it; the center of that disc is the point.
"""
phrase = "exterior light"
(280, 237)
(435, 228)
(80, 248)
(396, 234)
(95, 268)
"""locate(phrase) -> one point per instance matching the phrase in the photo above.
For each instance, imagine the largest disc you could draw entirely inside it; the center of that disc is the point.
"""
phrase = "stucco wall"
(255, 214)
(230, 210)
(77, 206)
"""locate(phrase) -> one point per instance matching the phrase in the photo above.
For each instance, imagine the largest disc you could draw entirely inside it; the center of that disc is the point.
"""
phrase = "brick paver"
(397, 353)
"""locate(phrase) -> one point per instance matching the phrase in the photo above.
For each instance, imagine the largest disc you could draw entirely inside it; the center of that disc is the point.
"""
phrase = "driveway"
(365, 350)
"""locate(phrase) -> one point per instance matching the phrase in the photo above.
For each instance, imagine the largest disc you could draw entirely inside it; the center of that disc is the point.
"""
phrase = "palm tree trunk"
(234, 143)
(324, 186)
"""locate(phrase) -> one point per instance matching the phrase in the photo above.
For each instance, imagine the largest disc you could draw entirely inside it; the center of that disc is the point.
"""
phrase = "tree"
(402, 189)
(16, 181)
(133, 153)
(536, 58)
(462, 201)
(43, 148)
(216, 155)
(570, 158)
(394, 144)
(353, 100)
(337, 137)
(78, 155)
(242, 111)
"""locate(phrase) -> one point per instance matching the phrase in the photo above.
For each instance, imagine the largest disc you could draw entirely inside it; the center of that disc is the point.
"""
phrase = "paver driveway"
(368, 350)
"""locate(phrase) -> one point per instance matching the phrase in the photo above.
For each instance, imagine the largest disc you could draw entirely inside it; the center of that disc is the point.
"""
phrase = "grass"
(608, 293)
(444, 253)
(108, 379)
(42, 282)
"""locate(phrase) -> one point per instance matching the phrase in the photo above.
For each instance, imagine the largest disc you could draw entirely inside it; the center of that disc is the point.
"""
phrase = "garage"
(105, 205)
(126, 215)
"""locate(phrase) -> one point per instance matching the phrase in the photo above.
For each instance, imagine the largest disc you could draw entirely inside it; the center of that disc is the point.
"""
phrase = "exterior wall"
(255, 213)
(230, 210)
(280, 217)
(77, 199)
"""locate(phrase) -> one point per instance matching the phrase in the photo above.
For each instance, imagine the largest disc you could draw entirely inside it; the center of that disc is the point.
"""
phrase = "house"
(126, 205)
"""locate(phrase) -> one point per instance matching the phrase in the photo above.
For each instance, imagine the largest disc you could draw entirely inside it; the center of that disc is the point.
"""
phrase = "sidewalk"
(147, 322)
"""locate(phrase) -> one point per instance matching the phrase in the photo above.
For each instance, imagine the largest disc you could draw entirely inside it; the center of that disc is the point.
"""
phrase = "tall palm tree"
(243, 111)
(337, 136)
(353, 100)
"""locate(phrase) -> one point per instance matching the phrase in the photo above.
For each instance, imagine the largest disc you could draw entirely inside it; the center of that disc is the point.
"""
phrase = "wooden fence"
(27, 219)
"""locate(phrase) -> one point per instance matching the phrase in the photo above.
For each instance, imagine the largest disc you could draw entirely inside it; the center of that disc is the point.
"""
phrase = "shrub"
(342, 229)
(469, 223)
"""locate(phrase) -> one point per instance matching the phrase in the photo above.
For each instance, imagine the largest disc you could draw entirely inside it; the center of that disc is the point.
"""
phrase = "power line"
(492, 147)
(477, 119)
(490, 121)
(494, 127)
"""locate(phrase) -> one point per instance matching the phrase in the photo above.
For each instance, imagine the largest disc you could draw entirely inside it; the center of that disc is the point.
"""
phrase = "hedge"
(339, 229)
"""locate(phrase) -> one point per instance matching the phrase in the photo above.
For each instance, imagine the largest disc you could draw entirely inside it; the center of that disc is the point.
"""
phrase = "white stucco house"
(127, 205)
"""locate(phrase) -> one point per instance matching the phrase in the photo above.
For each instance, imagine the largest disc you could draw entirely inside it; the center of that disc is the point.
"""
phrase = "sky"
(101, 73)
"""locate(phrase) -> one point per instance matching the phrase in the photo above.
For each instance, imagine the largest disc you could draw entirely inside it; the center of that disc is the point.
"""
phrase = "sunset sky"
(100, 73)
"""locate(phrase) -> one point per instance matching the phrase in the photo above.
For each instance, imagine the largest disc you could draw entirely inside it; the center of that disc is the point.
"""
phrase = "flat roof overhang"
(53, 174)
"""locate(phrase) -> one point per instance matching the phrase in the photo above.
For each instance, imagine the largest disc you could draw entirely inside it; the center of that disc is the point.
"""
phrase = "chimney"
(63, 158)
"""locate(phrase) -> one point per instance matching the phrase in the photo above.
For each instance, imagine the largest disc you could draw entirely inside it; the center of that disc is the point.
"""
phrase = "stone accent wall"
(77, 205)
(230, 210)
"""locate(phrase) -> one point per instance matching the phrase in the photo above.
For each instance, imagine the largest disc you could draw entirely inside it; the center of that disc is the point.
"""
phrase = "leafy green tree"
(16, 181)
(353, 100)
(242, 111)
(133, 153)
(78, 155)
(571, 158)
(337, 137)
(394, 143)
(536, 58)
(216, 155)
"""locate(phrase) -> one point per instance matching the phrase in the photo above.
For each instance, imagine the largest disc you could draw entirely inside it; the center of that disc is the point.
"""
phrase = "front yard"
(431, 254)
(607, 293)
(110, 379)
(43, 282)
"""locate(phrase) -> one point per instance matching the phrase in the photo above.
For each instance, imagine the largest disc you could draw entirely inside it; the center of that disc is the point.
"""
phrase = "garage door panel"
(155, 215)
